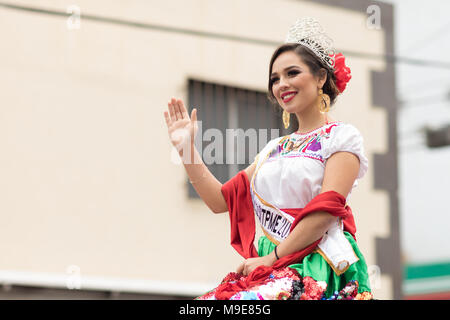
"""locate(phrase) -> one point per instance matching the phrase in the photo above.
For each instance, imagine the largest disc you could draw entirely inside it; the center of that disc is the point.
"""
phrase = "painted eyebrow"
(290, 67)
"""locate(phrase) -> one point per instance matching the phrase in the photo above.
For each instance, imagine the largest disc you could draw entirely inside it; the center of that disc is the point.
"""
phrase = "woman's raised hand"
(182, 128)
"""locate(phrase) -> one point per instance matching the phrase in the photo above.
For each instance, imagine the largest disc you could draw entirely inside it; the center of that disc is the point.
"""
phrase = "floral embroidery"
(315, 145)
(309, 146)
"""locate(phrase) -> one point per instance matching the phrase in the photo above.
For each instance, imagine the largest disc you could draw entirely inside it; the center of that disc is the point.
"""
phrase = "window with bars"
(234, 125)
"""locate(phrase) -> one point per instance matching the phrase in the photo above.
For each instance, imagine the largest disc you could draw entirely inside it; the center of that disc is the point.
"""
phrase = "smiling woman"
(302, 79)
(297, 187)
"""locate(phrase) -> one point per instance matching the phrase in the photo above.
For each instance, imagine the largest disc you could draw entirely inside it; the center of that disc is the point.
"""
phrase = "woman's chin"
(294, 107)
(289, 108)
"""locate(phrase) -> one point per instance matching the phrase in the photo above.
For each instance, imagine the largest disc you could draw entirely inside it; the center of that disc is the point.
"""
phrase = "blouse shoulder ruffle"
(346, 137)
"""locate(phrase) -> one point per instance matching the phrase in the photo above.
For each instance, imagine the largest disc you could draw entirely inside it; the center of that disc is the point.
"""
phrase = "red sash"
(237, 195)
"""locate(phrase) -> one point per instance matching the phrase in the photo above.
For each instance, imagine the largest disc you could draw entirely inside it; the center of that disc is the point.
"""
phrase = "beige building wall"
(88, 177)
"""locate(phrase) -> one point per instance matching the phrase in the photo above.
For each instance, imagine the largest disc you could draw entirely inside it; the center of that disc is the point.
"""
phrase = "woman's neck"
(310, 121)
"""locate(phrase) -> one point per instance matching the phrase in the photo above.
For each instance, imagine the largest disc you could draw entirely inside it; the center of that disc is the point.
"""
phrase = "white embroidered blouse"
(292, 174)
(289, 174)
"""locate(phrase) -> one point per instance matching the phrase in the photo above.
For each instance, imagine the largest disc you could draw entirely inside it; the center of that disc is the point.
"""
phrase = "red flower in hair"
(341, 71)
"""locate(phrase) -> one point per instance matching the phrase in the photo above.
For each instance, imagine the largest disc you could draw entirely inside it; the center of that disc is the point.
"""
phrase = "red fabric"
(349, 222)
(238, 198)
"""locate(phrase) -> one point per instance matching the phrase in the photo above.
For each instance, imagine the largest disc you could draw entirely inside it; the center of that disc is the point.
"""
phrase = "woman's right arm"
(206, 185)
(182, 130)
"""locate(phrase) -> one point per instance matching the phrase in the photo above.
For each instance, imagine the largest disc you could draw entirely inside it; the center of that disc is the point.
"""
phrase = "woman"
(297, 186)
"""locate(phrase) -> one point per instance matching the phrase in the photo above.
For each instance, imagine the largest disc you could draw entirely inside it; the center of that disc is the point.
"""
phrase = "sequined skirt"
(312, 279)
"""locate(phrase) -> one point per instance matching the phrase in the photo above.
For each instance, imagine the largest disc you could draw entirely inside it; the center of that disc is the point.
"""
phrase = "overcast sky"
(422, 32)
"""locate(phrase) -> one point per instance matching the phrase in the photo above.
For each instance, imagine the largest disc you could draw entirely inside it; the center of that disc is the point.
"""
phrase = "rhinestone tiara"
(309, 33)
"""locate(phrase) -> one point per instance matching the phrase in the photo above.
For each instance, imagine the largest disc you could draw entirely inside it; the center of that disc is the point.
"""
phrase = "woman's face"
(294, 87)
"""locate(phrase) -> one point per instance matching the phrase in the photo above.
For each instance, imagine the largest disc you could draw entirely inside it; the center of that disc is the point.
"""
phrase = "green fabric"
(315, 266)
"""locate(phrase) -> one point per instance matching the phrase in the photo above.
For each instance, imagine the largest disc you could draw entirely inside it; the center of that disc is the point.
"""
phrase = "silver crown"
(309, 33)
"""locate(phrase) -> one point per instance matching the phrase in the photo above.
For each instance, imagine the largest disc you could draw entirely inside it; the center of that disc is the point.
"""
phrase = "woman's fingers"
(240, 268)
(173, 116)
(178, 111)
(176, 106)
(243, 268)
(182, 109)
(194, 116)
(167, 118)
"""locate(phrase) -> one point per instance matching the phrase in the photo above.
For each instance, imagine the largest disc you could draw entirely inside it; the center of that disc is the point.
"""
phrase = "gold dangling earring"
(323, 102)
(286, 119)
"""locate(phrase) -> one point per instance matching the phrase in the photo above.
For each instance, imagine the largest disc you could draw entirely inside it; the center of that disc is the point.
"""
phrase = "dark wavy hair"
(315, 65)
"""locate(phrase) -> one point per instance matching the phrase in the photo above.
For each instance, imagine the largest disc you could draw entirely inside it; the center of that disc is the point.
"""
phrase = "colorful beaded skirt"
(312, 279)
